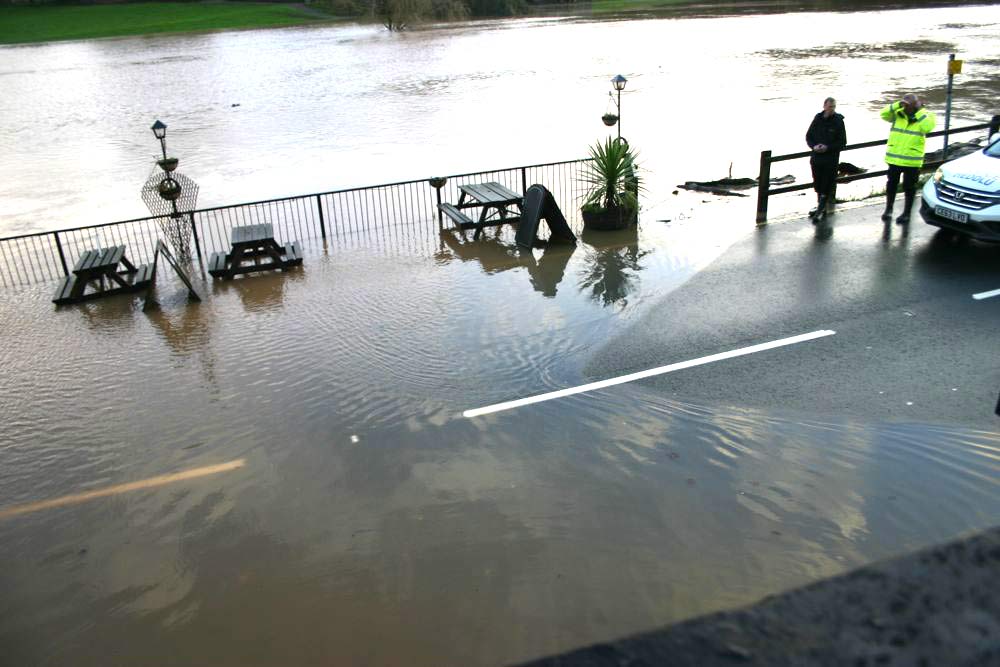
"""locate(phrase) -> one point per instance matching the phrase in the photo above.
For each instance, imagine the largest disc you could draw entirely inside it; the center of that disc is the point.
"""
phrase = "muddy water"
(361, 520)
(357, 518)
(259, 114)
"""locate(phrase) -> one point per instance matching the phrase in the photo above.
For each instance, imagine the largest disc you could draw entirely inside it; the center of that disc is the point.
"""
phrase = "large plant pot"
(609, 219)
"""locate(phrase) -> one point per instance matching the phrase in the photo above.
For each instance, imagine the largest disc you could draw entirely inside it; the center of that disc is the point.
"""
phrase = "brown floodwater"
(260, 114)
(281, 474)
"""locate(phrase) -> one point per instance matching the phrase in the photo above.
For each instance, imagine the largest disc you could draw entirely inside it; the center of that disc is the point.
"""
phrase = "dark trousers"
(909, 175)
(824, 176)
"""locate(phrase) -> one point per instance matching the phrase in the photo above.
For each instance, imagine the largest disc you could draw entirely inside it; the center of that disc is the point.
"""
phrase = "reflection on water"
(613, 265)
(371, 524)
(262, 291)
(496, 254)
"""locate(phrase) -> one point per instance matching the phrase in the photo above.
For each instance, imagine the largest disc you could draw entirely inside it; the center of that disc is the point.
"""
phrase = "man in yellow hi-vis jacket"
(905, 152)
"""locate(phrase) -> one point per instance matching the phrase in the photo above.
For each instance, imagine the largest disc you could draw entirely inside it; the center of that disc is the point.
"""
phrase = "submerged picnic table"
(494, 200)
(99, 269)
(254, 242)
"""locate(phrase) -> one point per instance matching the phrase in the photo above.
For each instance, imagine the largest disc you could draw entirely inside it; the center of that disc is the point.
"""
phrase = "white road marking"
(120, 488)
(986, 295)
(562, 393)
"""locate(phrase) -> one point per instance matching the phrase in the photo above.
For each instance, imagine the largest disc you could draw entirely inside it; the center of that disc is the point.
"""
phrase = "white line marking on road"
(562, 393)
(121, 488)
(986, 295)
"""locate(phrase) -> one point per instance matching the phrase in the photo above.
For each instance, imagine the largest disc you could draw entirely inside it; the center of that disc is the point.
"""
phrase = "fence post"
(197, 241)
(524, 180)
(322, 221)
(763, 186)
(62, 256)
(437, 182)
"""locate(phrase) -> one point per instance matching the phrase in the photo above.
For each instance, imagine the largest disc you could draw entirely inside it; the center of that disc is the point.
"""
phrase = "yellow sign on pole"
(955, 67)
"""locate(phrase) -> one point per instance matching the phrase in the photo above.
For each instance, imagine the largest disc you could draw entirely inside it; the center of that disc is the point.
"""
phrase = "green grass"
(50, 23)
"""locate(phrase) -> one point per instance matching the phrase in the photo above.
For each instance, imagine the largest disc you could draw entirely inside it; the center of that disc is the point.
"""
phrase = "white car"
(964, 194)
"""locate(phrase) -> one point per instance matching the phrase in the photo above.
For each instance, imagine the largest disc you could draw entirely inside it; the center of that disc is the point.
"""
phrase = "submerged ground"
(358, 517)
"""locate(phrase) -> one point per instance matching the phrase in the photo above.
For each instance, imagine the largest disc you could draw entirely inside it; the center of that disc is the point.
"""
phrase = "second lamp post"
(615, 118)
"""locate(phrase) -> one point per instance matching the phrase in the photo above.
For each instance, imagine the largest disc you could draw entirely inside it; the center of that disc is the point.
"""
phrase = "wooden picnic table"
(494, 201)
(254, 243)
(99, 269)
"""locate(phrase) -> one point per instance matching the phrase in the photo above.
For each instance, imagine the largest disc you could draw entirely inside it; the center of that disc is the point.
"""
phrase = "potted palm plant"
(612, 198)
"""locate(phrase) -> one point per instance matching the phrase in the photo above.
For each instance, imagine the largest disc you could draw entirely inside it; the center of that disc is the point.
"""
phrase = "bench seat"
(455, 214)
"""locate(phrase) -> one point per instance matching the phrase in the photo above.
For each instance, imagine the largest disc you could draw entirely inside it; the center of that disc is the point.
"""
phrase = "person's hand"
(819, 148)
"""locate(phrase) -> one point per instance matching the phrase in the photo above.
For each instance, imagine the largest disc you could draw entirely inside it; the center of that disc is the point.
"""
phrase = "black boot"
(904, 218)
(890, 197)
(820, 214)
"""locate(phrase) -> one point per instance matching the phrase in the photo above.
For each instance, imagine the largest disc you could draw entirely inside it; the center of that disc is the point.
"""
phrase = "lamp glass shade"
(619, 82)
(159, 130)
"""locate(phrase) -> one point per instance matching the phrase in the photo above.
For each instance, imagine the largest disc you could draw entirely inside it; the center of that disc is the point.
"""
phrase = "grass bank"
(20, 25)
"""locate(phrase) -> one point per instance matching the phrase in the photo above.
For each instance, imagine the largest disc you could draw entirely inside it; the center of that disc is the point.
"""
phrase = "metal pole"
(322, 223)
(763, 186)
(619, 114)
(524, 181)
(62, 256)
(437, 191)
(183, 253)
(947, 108)
(197, 242)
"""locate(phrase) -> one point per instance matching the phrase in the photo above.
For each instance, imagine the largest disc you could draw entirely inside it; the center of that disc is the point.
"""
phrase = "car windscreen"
(993, 150)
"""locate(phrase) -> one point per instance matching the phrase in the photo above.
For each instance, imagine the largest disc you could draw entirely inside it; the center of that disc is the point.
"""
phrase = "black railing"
(375, 212)
(764, 190)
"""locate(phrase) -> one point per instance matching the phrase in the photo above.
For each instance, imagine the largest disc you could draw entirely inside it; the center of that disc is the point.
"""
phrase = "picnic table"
(494, 201)
(98, 268)
(254, 243)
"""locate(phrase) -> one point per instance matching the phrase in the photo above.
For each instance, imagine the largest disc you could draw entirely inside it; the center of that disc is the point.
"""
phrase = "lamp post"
(161, 193)
(612, 119)
(169, 189)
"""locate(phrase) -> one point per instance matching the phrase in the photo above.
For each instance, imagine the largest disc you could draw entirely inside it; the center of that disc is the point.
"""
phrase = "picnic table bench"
(254, 243)
(494, 201)
(99, 269)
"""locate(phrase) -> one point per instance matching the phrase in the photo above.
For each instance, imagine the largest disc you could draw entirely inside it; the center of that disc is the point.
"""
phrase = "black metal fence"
(766, 160)
(406, 213)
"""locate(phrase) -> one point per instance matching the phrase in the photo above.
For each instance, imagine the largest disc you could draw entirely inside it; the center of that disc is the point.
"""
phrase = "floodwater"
(357, 518)
(271, 113)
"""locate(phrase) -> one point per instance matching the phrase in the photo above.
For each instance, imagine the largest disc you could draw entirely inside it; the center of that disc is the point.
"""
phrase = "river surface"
(357, 518)
(270, 113)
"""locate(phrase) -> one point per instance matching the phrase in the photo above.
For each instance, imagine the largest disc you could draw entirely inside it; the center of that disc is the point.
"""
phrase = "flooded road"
(271, 113)
(281, 474)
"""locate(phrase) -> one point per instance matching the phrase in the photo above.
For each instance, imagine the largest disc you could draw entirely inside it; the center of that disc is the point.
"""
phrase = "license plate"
(948, 214)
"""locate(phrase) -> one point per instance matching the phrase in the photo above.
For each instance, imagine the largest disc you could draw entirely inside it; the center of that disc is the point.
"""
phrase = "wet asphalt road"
(911, 343)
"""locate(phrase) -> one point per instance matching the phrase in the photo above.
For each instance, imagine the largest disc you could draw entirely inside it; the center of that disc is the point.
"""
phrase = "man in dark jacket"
(826, 137)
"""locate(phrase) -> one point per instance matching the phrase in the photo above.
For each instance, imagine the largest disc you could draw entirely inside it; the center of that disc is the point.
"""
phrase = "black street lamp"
(169, 189)
(160, 132)
(614, 118)
(162, 192)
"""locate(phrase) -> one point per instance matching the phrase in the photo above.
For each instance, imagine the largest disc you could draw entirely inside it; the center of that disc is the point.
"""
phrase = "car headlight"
(938, 175)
